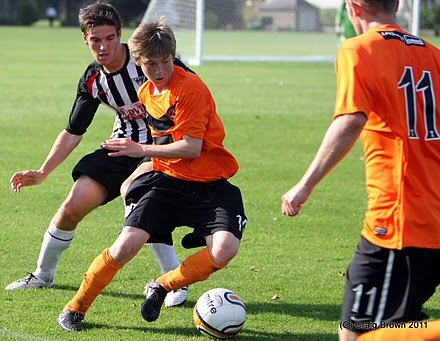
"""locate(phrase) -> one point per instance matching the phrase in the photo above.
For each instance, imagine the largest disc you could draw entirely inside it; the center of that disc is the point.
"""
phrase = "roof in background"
(326, 3)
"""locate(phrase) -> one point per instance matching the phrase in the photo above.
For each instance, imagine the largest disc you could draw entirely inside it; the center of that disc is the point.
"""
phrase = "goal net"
(258, 30)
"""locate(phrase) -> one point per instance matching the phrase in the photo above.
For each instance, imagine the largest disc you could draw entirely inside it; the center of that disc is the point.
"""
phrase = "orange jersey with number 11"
(393, 77)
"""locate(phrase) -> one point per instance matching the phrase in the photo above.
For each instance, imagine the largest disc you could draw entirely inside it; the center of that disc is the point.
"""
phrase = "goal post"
(259, 30)
(415, 25)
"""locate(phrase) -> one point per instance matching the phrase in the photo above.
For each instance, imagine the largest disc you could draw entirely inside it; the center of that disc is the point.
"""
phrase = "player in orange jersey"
(388, 82)
(188, 185)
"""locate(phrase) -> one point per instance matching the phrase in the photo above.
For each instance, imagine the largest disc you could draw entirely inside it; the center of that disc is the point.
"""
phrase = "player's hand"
(293, 199)
(119, 147)
(26, 178)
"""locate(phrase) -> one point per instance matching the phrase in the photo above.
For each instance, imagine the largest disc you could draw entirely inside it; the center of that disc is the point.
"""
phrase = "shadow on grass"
(310, 311)
(246, 334)
(324, 312)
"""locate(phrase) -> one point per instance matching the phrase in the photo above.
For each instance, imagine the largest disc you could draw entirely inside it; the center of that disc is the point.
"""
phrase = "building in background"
(290, 15)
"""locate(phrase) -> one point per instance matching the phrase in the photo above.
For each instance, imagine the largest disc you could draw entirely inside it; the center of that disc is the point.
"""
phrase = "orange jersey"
(394, 78)
(187, 107)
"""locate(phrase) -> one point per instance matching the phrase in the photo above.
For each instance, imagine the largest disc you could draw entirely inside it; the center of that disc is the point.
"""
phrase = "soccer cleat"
(176, 298)
(156, 294)
(71, 321)
(30, 282)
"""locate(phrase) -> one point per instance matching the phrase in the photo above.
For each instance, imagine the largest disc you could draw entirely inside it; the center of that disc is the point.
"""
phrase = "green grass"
(275, 116)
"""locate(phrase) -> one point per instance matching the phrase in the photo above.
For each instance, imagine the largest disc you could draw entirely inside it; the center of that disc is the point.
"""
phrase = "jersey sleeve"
(352, 89)
(85, 106)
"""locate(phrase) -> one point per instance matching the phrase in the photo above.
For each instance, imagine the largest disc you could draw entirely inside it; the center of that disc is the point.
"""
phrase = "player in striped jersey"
(112, 79)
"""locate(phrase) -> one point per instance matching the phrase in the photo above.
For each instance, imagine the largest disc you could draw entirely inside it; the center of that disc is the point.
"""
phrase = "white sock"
(55, 241)
(165, 256)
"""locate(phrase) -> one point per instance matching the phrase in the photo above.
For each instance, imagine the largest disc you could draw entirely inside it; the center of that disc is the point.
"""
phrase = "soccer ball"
(219, 313)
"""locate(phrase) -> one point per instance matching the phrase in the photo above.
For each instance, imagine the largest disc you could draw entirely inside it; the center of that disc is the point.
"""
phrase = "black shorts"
(158, 203)
(109, 171)
(388, 285)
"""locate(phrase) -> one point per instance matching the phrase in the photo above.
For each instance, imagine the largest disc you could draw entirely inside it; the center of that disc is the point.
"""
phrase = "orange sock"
(98, 276)
(195, 268)
(413, 331)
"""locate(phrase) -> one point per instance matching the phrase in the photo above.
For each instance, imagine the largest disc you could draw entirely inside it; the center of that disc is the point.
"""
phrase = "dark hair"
(98, 14)
(374, 6)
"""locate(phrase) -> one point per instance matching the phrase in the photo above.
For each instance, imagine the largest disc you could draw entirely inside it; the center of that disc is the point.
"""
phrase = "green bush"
(430, 18)
(27, 12)
(426, 18)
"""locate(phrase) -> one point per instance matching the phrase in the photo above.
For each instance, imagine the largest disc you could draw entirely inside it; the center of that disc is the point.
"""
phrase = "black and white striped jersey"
(118, 91)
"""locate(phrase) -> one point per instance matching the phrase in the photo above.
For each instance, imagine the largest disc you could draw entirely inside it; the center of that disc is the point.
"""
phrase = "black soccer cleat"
(156, 294)
(71, 321)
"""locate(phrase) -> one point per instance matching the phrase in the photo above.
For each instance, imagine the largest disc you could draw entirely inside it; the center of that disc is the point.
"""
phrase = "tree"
(130, 11)
(27, 12)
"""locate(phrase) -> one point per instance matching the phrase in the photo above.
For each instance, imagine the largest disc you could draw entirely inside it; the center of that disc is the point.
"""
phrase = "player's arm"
(338, 141)
(64, 144)
(187, 148)
(80, 118)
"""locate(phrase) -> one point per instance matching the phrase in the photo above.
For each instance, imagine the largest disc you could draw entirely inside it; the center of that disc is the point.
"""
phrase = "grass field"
(275, 115)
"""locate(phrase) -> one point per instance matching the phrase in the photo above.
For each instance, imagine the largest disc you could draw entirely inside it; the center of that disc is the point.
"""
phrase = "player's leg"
(165, 254)
(144, 167)
(386, 285)
(98, 178)
(85, 195)
(100, 273)
(167, 259)
(423, 283)
(222, 247)
(368, 284)
(223, 222)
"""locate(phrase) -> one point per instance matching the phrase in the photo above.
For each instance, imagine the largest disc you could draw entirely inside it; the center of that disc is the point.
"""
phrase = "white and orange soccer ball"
(219, 313)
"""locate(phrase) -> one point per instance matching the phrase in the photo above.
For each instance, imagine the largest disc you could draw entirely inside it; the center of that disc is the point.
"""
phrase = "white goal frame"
(198, 56)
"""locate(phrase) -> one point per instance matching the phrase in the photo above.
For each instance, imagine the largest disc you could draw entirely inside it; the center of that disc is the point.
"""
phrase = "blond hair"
(152, 39)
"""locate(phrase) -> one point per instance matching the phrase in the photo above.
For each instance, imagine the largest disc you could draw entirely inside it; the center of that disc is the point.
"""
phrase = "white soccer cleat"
(174, 298)
(29, 282)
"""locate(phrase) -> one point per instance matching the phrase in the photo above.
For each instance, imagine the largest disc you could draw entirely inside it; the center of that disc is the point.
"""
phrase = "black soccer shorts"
(388, 285)
(158, 203)
(109, 171)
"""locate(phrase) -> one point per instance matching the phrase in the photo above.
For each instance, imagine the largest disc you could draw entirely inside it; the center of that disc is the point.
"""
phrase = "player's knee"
(124, 188)
(123, 253)
(224, 249)
(68, 215)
